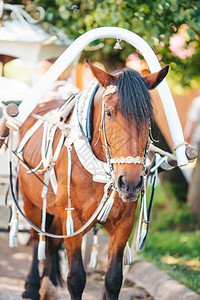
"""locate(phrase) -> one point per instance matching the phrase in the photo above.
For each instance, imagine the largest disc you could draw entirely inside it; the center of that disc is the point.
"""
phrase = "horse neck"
(97, 147)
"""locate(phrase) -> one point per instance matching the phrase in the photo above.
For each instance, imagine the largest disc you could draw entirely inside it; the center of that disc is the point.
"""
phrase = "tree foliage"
(155, 21)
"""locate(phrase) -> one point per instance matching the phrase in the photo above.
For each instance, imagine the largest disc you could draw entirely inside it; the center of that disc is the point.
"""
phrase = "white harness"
(99, 169)
(72, 135)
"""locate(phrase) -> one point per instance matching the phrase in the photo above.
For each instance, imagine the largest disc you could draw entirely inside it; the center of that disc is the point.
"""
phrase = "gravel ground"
(15, 262)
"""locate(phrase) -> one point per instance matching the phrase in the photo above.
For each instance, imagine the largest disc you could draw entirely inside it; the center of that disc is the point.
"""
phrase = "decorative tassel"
(13, 232)
(69, 222)
(102, 217)
(127, 255)
(94, 253)
(41, 247)
(144, 229)
(12, 239)
(143, 235)
(15, 224)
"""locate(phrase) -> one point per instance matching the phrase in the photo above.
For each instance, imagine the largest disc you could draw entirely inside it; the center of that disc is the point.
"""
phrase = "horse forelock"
(134, 96)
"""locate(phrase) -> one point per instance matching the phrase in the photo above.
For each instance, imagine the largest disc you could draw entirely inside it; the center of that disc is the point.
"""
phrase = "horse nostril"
(126, 187)
(122, 183)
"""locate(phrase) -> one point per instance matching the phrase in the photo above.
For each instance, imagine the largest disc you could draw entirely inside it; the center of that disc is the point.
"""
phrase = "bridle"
(111, 89)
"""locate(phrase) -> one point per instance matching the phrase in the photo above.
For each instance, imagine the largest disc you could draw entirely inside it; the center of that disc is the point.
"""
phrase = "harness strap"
(105, 139)
(163, 163)
(25, 165)
(58, 149)
(69, 220)
(161, 152)
(179, 144)
(14, 221)
(142, 226)
(44, 197)
(69, 149)
(28, 135)
(84, 227)
(35, 170)
(3, 137)
(45, 147)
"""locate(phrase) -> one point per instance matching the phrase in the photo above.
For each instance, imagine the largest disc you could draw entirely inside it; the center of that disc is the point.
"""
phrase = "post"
(11, 110)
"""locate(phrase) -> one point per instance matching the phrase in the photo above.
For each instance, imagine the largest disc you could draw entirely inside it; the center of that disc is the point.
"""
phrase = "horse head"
(124, 124)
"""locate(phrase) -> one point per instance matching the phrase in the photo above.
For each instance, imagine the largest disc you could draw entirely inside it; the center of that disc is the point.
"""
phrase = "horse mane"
(135, 99)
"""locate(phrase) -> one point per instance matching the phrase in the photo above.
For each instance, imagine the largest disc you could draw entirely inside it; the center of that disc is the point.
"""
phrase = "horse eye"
(108, 113)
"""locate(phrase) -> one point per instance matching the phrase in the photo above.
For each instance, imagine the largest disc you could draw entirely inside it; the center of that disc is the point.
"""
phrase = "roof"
(23, 31)
(21, 36)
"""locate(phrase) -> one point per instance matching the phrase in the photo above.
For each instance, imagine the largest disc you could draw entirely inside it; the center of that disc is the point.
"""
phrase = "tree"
(170, 27)
(159, 22)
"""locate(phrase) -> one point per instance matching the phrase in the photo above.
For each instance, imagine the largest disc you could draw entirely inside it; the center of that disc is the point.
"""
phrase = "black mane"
(135, 100)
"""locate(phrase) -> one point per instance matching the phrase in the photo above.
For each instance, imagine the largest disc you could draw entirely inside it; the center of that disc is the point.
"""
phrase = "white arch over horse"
(32, 99)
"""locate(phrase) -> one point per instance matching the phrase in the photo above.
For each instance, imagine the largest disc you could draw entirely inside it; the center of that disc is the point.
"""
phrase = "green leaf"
(191, 33)
(197, 27)
(64, 13)
(148, 19)
(89, 20)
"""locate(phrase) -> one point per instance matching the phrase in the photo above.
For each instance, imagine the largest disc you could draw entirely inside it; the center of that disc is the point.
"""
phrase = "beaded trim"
(128, 160)
(110, 89)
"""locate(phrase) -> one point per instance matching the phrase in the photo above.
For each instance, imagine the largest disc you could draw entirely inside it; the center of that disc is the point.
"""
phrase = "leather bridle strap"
(121, 160)
(105, 139)
(142, 226)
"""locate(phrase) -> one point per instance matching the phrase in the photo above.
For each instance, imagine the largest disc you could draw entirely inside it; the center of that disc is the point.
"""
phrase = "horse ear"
(154, 79)
(105, 79)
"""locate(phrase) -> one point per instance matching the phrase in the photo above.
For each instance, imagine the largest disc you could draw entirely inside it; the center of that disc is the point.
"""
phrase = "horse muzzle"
(129, 192)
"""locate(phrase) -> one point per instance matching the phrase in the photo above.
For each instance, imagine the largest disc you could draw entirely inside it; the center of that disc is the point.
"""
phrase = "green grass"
(173, 243)
(168, 213)
(177, 254)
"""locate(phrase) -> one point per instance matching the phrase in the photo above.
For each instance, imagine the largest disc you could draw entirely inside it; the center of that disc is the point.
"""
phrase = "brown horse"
(120, 128)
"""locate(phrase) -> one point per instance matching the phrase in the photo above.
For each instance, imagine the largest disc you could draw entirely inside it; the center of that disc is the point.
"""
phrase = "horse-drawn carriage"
(85, 162)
